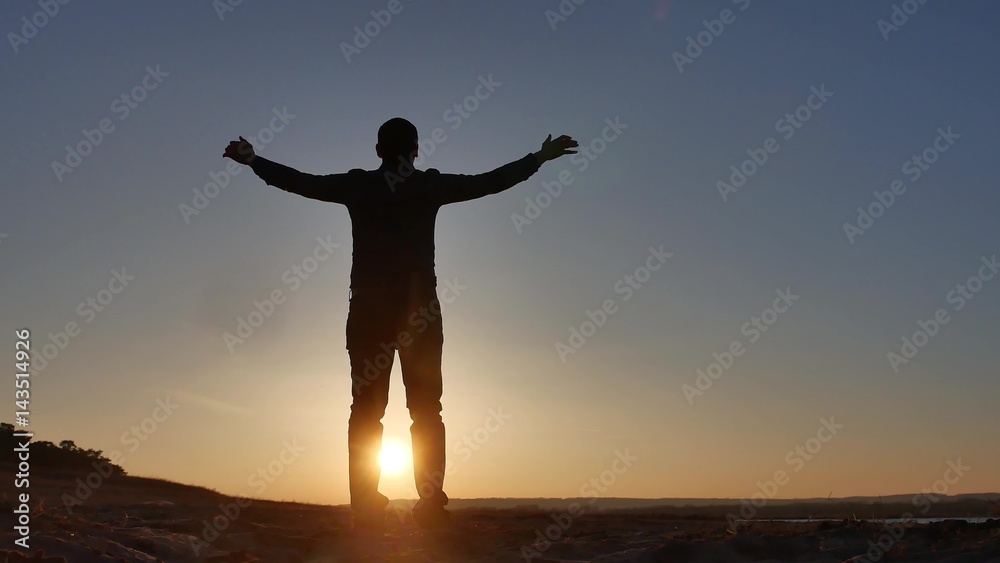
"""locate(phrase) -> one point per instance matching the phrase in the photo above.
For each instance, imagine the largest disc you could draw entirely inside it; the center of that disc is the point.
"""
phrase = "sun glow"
(394, 458)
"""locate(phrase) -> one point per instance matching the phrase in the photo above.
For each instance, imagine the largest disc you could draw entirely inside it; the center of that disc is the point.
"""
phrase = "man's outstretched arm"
(330, 187)
(453, 188)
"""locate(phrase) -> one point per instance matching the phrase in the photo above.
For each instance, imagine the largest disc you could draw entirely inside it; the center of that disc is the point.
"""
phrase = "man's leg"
(368, 327)
(421, 366)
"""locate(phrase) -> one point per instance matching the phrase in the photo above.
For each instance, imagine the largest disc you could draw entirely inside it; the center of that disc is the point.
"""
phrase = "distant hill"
(938, 506)
(66, 456)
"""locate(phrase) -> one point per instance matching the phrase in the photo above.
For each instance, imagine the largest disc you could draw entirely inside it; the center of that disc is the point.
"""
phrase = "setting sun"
(394, 458)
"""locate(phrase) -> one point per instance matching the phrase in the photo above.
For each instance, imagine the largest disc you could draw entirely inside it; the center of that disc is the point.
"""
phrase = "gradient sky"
(656, 184)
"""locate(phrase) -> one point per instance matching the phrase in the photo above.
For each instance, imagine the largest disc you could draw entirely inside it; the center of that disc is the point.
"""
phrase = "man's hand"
(242, 151)
(553, 149)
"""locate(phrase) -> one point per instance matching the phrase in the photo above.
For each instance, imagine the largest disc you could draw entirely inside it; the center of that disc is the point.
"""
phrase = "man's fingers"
(567, 141)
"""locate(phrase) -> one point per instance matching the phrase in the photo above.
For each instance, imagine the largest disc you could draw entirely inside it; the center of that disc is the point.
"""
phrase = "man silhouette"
(393, 305)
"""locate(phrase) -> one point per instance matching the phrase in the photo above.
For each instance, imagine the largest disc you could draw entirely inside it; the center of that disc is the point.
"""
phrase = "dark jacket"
(392, 214)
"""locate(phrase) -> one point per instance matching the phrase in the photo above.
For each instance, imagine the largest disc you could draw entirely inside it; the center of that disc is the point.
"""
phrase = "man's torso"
(393, 231)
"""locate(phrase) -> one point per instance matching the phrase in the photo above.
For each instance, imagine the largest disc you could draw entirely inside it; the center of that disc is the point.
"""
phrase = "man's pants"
(403, 317)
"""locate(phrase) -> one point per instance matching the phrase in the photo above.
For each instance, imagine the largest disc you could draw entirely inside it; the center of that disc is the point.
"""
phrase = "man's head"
(397, 138)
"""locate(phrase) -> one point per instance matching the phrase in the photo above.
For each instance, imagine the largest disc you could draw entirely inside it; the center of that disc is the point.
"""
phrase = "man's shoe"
(431, 516)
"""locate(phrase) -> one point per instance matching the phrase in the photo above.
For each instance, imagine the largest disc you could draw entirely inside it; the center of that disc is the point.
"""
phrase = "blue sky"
(523, 287)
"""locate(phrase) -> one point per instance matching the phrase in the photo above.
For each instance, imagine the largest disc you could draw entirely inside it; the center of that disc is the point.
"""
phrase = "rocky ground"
(147, 521)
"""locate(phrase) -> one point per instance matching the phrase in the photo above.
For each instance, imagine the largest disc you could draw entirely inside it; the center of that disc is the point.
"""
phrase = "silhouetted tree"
(67, 456)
